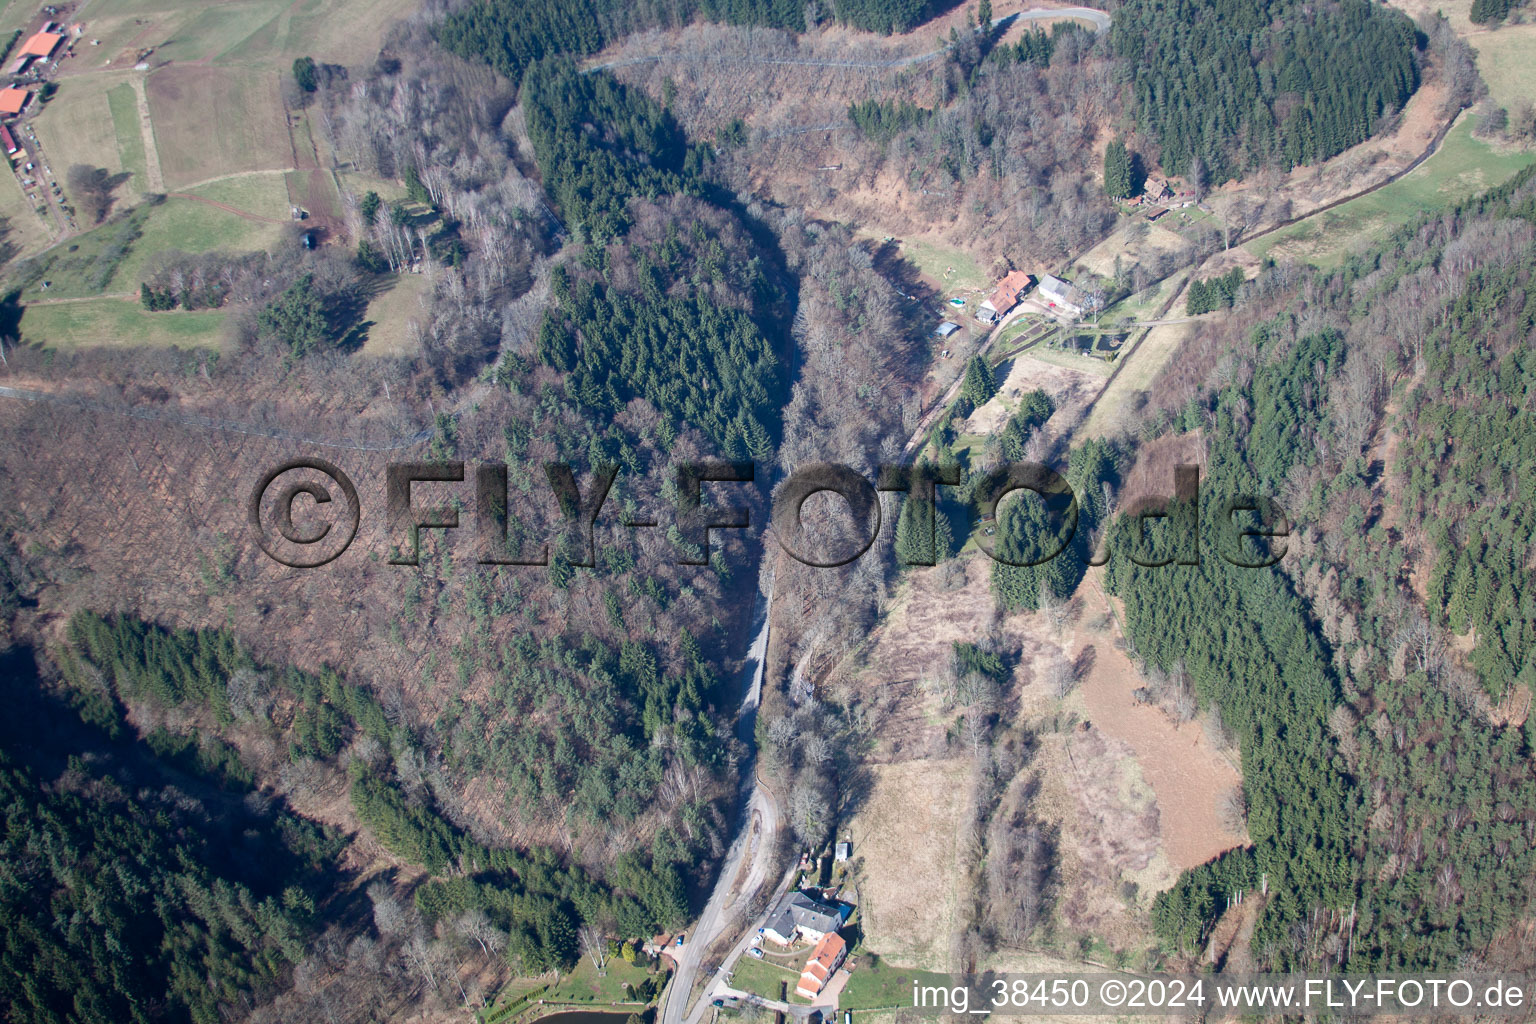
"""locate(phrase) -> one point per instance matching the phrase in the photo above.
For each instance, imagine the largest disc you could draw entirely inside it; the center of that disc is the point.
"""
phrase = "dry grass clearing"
(1458, 12)
(1186, 771)
(392, 311)
(1123, 245)
(1071, 390)
(1094, 791)
(1507, 60)
(1106, 818)
(196, 111)
(912, 644)
(905, 835)
(1084, 365)
(1114, 412)
(1131, 798)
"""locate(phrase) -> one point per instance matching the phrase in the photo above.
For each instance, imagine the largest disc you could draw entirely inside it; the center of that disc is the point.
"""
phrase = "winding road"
(745, 869)
(1098, 19)
(220, 425)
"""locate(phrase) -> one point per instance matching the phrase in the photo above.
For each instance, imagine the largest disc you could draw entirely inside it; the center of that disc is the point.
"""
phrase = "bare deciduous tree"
(808, 810)
(476, 927)
(1232, 810)
(595, 945)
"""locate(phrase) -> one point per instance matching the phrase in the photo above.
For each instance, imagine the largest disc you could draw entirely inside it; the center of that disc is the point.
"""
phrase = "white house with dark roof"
(797, 915)
(1062, 297)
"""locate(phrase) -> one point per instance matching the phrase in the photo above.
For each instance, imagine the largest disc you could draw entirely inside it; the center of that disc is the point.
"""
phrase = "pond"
(585, 1017)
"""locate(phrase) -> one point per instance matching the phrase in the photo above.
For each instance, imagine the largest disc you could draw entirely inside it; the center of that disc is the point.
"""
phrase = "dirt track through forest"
(1099, 19)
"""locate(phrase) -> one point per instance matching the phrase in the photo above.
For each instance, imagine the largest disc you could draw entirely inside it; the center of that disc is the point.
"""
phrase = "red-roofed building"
(13, 100)
(42, 45)
(1004, 297)
(825, 959)
(8, 140)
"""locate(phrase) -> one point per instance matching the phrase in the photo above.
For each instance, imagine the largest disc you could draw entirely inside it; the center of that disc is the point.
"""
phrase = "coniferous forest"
(512, 35)
(1385, 789)
(1225, 86)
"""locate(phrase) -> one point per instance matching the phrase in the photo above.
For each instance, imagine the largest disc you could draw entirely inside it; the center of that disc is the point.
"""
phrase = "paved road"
(754, 845)
(1098, 19)
(718, 986)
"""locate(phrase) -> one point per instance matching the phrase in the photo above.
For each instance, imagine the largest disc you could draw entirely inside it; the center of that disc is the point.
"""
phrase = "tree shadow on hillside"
(345, 311)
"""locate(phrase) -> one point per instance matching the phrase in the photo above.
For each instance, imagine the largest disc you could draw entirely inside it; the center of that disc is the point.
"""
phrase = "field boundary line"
(81, 298)
(152, 174)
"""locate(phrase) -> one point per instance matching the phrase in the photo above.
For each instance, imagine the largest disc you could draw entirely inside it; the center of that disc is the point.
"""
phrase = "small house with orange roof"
(825, 959)
(1004, 297)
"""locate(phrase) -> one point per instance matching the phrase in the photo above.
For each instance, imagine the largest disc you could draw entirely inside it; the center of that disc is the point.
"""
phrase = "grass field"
(1015, 329)
(340, 31)
(314, 191)
(391, 313)
(1124, 245)
(1143, 304)
(124, 105)
(585, 985)
(26, 229)
(80, 125)
(911, 893)
(876, 985)
(1059, 357)
(85, 265)
(191, 227)
(763, 978)
(215, 121)
(1507, 60)
(253, 33)
(218, 28)
(953, 268)
(1463, 167)
(261, 193)
(218, 122)
(15, 15)
(118, 323)
(1113, 411)
(362, 184)
(112, 257)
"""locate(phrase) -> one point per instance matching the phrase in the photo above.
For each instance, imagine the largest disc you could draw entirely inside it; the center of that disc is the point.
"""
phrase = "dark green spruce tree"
(1117, 171)
(979, 385)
